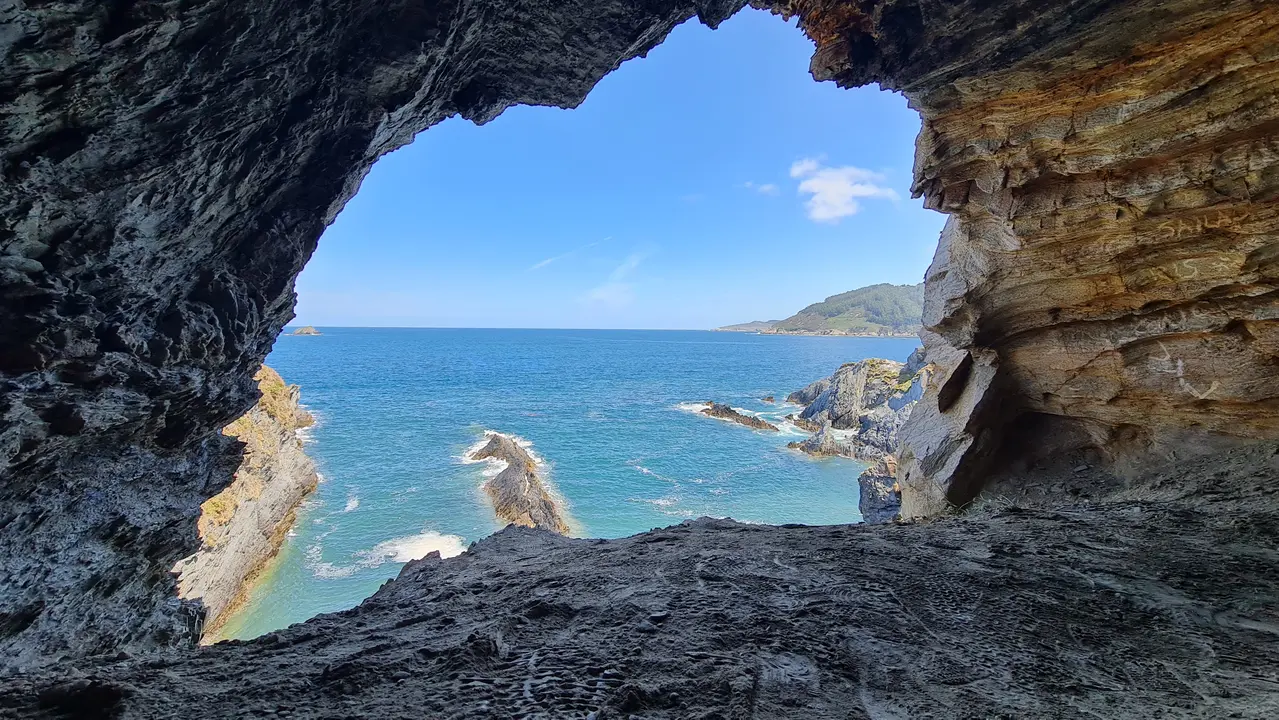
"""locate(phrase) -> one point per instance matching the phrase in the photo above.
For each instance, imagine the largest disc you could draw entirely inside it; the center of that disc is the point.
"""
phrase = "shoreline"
(244, 527)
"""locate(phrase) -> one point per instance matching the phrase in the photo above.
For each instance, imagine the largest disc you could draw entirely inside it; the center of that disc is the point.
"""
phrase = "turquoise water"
(397, 409)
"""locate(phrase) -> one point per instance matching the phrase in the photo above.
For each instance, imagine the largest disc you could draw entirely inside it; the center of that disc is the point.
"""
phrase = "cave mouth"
(616, 214)
(1108, 261)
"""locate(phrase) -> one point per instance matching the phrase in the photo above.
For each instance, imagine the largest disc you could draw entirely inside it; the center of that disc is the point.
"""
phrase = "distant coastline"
(881, 310)
(821, 333)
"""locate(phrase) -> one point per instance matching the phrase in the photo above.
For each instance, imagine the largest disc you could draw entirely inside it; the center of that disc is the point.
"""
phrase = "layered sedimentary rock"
(242, 527)
(1109, 275)
(1107, 278)
(721, 411)
(518, 495)
(859, 410)
(1157, 604)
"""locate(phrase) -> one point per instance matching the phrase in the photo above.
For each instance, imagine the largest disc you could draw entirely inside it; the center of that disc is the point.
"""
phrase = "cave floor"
(1162, 601)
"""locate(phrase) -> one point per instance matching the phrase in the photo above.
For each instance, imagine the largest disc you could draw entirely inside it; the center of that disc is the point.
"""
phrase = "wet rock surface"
(725, 412)
(518, 495)
(1160, 601)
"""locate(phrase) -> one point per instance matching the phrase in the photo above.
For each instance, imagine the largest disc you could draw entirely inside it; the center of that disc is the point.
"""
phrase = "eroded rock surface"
(1107, 277)
(165, 172)
(242, 527)
(518, 495)
(1160, 601)
(858, 411)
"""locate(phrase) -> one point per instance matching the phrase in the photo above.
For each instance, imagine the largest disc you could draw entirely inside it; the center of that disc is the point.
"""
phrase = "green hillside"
(874, 310)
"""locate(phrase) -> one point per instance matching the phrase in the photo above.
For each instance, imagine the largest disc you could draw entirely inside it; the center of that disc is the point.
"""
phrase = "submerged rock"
(243, 527)
(724, 412)
(769, 399)
(519, 497)
(881, 497)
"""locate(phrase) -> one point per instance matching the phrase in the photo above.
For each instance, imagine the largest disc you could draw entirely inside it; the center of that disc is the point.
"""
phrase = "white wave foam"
(691, 407)
(412, 547)
(352, 502)
(496, 465)
(306, 435)
(635, 464)
(397, 550)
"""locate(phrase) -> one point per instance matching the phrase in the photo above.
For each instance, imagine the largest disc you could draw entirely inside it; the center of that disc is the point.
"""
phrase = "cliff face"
(1107, 277)
(859, 411)
(242, 527)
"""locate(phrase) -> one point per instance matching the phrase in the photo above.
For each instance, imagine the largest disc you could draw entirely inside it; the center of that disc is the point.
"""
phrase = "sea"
(612, 416)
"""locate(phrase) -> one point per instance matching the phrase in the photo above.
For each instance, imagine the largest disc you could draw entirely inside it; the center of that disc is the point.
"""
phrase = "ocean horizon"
(610, 415)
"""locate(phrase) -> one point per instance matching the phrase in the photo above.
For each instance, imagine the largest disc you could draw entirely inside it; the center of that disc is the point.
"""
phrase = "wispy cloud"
(762, 188)
(556, 258)
(616, 291)
(836, 190)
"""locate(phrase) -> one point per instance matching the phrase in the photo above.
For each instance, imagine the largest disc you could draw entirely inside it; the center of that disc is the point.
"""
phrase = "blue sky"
(712, 182)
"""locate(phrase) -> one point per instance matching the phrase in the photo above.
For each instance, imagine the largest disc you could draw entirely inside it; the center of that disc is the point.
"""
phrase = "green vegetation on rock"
(874, 310)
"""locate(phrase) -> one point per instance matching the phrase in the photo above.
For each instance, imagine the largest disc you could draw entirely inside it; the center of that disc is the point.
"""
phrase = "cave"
(1102, 311)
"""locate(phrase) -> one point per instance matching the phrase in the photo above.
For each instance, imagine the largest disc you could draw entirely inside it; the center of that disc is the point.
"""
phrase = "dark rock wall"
(167, 167)
(165, 171)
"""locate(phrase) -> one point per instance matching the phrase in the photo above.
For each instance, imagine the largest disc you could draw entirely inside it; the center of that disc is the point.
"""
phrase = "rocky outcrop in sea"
(859, 410)
(243, 527)
(307, 330)
(519, 496)
(725, 412)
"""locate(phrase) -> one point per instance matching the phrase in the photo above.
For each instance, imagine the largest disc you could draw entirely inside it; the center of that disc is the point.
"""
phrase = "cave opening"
(710, 182)
(1105, 284)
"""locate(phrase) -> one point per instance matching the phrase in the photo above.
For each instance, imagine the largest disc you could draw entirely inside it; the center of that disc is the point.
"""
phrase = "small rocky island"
(519, 496)
(724, 412)
(307, 330)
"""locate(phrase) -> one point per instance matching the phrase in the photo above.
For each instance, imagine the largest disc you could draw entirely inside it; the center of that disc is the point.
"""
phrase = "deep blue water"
(398, 408)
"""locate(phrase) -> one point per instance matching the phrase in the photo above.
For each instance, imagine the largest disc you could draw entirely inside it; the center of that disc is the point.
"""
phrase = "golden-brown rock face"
(1108, 275)
(243, 527)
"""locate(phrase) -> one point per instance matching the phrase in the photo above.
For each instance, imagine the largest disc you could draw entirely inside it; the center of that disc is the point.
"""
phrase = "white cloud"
(616, 292)
(762, 188)
(835, 190)
(556, 258)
